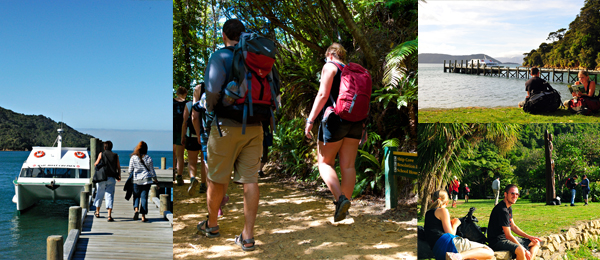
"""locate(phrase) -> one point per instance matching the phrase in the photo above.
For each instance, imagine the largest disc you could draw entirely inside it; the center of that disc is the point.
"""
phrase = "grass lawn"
(500, 115)
(535, 219)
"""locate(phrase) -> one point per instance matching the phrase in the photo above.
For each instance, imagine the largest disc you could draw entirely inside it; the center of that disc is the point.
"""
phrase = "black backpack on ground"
(545, 101)
(469, 228)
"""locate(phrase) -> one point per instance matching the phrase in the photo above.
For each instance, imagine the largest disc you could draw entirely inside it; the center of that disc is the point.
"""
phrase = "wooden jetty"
(562, 75)
(125, 238)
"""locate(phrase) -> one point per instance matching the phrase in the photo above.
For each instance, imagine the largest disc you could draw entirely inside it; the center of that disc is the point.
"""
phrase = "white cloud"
(491, 27)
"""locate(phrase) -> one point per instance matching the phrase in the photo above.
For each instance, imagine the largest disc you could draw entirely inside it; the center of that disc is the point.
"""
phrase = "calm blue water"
(24, 236)
(124, 157)
(449, 90)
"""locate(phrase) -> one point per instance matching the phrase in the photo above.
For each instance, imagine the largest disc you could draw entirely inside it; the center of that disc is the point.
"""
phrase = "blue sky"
(496, 28)
(103, 66)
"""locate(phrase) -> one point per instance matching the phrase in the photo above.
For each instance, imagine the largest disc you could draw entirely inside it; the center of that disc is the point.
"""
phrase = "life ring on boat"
(39, 154)
(80, 155)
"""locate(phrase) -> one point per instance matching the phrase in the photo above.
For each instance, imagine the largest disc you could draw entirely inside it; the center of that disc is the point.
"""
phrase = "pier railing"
(555, 75)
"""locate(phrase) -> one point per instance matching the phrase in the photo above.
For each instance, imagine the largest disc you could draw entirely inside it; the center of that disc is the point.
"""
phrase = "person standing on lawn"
(467, 191)
(496, 189)
(454, 189)
(571, 185)
(585, 187)
(501, 226)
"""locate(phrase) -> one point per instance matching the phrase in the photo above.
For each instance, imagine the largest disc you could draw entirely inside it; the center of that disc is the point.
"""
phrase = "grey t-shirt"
(496, 184)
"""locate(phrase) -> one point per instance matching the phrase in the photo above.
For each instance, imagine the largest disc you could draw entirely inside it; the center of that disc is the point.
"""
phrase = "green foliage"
(19, 132)
(290, 149)
(303, 30)
(577, 47)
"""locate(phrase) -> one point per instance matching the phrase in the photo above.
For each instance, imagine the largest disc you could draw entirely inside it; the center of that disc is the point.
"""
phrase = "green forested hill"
(20, 132)
(577, 47)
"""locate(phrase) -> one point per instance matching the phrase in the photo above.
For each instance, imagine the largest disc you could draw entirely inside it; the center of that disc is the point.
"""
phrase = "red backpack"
(355, 93)
(253, 85)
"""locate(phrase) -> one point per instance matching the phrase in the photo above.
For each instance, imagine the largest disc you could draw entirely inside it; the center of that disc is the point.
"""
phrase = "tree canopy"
(19, 132)
(380, 35)
(575, 47)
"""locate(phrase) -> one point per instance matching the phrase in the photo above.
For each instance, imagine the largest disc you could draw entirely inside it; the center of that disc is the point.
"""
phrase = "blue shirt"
(585, 184)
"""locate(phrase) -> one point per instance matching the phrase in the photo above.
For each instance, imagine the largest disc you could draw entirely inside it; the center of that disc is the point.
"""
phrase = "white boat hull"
(28, 192)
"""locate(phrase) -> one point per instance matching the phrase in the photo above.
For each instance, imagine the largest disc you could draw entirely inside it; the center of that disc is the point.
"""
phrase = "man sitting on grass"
(501, 224)
(534, 85)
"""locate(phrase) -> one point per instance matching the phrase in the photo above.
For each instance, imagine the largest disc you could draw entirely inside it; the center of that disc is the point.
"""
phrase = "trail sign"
(397, 164)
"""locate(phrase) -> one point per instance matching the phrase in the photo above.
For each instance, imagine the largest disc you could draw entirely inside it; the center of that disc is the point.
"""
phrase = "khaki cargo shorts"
(235, 153)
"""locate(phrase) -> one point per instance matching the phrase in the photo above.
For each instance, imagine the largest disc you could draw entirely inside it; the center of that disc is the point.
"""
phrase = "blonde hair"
(338, 51)
(442, 198)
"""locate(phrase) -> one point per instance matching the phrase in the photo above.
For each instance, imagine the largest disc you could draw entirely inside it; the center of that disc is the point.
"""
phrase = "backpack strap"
(341, 68)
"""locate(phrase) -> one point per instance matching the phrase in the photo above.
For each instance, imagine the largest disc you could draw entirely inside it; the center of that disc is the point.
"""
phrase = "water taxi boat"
(54, 173)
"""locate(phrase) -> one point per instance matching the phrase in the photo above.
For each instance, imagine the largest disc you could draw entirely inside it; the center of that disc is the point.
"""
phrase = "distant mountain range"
(439, 58)
(19, 132)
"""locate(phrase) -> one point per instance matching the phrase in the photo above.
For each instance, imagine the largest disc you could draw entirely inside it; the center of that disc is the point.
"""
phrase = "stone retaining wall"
(555, 246)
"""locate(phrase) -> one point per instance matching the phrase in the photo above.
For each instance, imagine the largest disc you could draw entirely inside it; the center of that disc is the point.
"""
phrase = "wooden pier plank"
(125, 238)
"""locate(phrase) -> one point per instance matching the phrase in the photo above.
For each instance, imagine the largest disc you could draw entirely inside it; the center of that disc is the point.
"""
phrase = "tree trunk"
(412, 125)
(550, 185)
(358, 35)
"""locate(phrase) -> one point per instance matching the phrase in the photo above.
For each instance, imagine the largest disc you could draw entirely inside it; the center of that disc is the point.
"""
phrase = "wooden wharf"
(125, 238)
(555, 75)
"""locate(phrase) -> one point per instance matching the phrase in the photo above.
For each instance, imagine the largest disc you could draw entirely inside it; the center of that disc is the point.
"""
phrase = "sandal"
(110, 219)
(208, 231)
(97, 214)
(241, 242)
(136, 216)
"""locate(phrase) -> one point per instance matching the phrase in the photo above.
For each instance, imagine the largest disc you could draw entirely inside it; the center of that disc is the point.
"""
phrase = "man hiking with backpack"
(235, 143)
(571, 185)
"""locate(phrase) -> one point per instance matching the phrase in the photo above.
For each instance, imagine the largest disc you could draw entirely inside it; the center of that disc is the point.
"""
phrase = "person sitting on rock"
(501, 226)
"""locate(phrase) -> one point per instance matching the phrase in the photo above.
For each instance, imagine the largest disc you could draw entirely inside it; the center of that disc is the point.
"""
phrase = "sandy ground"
(295, 223)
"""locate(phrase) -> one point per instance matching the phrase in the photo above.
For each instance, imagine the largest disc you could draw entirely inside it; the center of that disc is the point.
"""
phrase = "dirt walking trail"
(294, 223)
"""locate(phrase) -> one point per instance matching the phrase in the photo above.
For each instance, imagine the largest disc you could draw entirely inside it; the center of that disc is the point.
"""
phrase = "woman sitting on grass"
(589, 96)
(441, 232)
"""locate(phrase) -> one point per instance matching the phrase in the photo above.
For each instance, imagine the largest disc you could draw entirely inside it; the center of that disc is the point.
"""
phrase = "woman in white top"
(143, 177)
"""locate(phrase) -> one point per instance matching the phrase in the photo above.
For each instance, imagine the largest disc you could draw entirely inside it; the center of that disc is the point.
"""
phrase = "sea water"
(23, 236)
(450, 90)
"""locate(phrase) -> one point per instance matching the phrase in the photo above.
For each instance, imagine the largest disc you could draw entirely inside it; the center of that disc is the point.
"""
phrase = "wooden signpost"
(397, 164)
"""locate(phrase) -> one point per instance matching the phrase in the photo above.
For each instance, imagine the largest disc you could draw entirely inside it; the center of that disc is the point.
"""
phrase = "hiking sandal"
(241, 242)
(208, 231)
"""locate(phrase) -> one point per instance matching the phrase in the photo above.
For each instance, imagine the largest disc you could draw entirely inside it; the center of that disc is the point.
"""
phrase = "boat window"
(53, 173)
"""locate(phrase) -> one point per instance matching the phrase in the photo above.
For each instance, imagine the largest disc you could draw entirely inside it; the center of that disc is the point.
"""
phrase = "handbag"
(100, 174)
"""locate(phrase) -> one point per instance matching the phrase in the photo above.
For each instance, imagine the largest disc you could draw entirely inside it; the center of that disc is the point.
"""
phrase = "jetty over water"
(126, 238)
(555, 75)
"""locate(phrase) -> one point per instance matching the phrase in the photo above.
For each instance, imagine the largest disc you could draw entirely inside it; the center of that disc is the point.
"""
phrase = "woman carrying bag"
(140, 165)
(112, 169)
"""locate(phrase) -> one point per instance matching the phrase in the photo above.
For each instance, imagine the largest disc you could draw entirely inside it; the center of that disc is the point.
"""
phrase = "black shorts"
(510, 246)
(191, 144)
(336, 129)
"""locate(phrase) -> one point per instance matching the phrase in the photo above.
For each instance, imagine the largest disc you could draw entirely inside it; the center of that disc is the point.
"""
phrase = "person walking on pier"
(233, 151)
(534, 85)
(140, 165)
(501, 226)
(113, 174)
